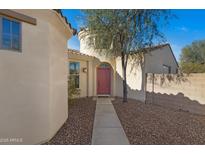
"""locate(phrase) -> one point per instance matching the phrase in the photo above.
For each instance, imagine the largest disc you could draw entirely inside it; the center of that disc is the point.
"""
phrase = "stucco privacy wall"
(32, 82)
(178, 92)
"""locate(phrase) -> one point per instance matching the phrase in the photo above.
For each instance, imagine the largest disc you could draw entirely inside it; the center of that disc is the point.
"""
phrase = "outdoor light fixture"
(85, 70)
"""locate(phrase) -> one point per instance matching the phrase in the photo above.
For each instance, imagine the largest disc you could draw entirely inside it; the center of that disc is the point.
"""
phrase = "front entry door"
(103, 81)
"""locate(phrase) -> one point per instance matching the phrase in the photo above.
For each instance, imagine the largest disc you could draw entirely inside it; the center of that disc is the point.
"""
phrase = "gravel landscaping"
(79, 125)
(152, 124)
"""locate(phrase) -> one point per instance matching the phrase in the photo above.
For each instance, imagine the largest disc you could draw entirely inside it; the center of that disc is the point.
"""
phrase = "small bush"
(73, 92)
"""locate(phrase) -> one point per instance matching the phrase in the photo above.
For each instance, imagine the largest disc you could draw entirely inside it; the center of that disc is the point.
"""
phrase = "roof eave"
(72, 30)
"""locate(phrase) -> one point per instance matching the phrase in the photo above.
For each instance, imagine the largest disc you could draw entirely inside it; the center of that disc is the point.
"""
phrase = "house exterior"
(33, 78)
(98, 75)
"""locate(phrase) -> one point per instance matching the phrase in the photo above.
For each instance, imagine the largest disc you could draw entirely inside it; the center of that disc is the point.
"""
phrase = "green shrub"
(192, 68)
(73, 92)
(192, 58)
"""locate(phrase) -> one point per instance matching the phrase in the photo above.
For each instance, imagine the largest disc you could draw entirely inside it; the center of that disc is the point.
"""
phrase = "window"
(10, 34)
(75, 73)
(104, 65)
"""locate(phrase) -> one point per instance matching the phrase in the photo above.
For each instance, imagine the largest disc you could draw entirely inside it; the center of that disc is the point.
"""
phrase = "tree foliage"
(125, 33)
(192, 59)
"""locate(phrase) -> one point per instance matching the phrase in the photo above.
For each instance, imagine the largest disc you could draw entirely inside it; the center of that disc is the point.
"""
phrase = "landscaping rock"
(79, 125)
(152, 124)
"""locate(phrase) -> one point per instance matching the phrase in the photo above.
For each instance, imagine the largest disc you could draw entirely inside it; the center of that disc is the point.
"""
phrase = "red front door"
(103, 81)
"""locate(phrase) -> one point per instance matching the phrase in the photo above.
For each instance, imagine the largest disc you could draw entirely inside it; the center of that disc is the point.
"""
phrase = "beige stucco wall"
(33, 90)
(58, 79)
(86, 86)
(85, 48)
(88, 81)
(179, 92)
(134, 80)
(153, 63)
(116, 80)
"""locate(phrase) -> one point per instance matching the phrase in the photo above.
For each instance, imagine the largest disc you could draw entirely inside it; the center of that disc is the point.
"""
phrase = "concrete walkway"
(107, 128)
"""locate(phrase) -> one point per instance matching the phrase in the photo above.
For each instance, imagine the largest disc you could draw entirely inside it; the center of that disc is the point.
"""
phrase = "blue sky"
(189, 26)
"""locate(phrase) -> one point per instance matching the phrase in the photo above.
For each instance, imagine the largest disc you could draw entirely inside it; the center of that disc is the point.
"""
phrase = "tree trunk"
(124, 86)
(124, 68)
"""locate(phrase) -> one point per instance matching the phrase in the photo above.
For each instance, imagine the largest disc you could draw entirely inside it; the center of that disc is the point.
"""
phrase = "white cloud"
(183, 28)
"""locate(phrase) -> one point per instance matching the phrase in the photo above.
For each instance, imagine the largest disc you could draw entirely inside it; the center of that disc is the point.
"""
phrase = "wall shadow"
(176, 78)
(132, 93)
(189, 90)
(178, 102)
